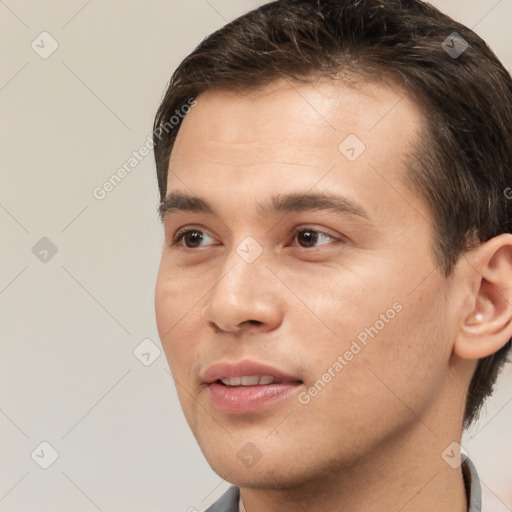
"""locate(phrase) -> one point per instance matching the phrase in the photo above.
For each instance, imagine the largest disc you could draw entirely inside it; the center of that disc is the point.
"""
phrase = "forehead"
(352, 138)
(313, 117)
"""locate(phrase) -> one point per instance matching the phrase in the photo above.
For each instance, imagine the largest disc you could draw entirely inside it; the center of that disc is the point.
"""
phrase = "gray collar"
(473, 487)
(228, 502)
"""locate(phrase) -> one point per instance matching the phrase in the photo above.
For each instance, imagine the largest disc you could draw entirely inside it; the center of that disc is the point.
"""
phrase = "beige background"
(69, 324)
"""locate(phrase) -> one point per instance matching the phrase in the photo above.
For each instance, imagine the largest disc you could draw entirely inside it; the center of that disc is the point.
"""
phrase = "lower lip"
(244, 399)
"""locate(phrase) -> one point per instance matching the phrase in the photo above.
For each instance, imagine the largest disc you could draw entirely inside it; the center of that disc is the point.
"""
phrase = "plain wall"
(70, 321)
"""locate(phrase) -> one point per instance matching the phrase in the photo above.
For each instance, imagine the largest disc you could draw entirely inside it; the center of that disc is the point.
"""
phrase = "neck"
(406, 474)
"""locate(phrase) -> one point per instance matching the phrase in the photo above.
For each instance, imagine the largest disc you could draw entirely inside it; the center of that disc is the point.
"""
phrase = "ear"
(486, 324)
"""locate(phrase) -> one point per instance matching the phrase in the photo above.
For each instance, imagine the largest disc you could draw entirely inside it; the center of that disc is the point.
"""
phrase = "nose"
(244, 298)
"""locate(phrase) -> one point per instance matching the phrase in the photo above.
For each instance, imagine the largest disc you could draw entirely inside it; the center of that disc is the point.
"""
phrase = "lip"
(245, 399)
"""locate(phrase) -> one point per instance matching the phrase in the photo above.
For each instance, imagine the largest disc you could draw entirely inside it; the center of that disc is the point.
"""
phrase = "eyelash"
(178, 237)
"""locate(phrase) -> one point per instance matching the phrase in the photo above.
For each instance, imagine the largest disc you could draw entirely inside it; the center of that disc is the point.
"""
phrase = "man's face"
(345, 308)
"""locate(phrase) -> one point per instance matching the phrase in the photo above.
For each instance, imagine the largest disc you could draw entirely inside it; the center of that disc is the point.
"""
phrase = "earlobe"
(488, 325)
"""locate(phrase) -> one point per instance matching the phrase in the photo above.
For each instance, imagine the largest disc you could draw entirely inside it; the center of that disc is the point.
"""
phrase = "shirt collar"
(473, 487)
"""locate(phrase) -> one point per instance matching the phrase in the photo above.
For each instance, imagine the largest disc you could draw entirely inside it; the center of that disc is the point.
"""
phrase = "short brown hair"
(463, 164)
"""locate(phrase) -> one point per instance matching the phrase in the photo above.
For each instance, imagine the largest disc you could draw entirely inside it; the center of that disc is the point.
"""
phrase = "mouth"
(249, 380)
(248, 386)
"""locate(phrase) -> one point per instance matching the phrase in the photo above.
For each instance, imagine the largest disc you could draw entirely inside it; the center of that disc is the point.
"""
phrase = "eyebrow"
(282, 203)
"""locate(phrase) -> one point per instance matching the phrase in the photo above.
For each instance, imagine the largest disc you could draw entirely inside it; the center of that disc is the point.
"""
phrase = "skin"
(372, 438)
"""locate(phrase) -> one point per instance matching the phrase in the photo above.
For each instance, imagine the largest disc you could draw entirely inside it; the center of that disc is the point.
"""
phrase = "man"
(335, 289)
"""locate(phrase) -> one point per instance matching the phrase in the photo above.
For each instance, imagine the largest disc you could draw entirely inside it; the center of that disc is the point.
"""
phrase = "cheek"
(394, 374)
(408, 358)
(342, 304)
(174, 307)
(392, 343)
(166, 312)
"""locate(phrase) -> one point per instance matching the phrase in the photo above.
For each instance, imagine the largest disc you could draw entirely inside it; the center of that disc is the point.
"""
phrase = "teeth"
(248, 380)
(232, 381)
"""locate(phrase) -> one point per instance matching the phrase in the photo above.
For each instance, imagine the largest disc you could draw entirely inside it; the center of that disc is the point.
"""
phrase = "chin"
(275, 469)
(259, 478)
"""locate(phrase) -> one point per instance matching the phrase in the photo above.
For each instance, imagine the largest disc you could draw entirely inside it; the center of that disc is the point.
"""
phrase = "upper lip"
(226, 369)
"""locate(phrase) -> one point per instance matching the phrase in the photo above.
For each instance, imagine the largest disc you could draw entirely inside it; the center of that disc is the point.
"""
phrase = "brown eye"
(310, 237)
(192, 238)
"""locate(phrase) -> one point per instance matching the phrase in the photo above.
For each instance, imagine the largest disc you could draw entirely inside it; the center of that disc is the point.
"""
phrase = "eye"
(307, 238)
(191, 237)
(311, 236)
